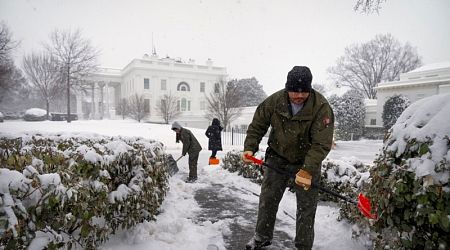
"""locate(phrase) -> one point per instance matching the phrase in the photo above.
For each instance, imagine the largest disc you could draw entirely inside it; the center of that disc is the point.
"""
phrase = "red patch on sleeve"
(326, 120)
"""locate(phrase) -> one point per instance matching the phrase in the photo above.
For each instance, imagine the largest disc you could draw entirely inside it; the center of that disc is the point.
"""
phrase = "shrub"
(233, 163)
(35, 114)
(410, 179)
(393, 108)
(65, 191)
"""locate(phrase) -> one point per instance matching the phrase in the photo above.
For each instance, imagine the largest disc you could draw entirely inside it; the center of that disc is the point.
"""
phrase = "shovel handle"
(313, 185)
(179, 158)
(363, 203)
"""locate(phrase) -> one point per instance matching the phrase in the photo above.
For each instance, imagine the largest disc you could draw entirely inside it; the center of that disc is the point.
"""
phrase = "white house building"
(153, 77)
(428, 80)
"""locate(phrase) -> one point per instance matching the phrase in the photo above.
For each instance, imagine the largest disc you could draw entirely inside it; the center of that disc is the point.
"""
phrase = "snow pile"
(36, 112)
(424, 127)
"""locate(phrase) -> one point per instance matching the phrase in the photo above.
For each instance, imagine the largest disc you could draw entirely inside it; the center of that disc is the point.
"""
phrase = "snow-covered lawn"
(176, 226)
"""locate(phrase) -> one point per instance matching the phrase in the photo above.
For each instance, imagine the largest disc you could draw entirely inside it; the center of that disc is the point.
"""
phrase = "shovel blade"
(365, 207)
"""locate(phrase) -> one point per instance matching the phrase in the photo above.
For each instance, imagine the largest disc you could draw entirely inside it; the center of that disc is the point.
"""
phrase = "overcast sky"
(260, 38)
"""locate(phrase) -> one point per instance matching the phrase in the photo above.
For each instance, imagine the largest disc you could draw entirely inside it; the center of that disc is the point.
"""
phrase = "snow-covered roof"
(432, 66)
(430, 74)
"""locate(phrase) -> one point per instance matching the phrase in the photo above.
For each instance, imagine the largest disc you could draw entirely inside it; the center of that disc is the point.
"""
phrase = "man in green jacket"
(190, 146)
(302, 124)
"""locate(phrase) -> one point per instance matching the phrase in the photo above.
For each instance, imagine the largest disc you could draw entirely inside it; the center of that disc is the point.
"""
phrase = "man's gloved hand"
(244, 159)
(303, 179)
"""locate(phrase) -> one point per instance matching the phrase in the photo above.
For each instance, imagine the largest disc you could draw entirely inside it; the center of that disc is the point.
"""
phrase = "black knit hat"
(299, 79)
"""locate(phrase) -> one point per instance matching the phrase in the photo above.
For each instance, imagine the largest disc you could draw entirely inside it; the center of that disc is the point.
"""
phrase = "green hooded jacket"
(190, 143)
(304, 138)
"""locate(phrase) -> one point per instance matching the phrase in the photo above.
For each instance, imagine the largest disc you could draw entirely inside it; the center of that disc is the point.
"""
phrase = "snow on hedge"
(425, 122)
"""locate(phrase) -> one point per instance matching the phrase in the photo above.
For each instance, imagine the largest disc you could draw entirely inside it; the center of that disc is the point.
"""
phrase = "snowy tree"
(320, 88)
(137, 107)
(43, 73)
(364, 66)
(77, 59)
(251, 92)
(224, 102)
(368, 6)
(167, 107)
(349, 112)
(393, 108)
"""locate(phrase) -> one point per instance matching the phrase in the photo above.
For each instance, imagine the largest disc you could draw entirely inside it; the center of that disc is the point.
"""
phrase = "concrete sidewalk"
(243, 220)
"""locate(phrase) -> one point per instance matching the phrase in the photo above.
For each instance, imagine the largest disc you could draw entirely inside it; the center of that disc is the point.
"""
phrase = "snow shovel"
(363, 202)
(172, 164)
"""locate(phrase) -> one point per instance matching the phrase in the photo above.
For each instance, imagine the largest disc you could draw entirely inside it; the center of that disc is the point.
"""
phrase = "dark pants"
(193, 159)
(272, 190)
(213, 153)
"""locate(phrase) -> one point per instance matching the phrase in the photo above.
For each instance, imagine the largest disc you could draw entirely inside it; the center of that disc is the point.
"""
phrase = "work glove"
(303, 179)
(244, 159)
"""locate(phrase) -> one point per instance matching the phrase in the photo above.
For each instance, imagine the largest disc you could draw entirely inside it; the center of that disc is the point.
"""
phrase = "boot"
(254, 244)
(191, 179)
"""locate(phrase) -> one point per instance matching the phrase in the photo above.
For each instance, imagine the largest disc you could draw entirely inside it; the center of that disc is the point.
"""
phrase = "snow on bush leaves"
(410, 182)
(76, 190)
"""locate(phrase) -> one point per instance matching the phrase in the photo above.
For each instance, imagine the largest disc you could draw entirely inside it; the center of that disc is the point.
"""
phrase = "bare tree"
(7, 44)
(11, 79)
(364, 66)
(137, 107)
(167, 107)
(224, 102)
(368, 6)
(43, 73)
(122, 108)
(77, 58)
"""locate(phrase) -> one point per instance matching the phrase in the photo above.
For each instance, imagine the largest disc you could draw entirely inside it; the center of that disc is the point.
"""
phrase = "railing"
(236, 137)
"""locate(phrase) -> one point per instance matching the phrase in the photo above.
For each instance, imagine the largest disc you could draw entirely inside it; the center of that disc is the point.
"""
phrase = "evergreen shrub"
(67, 191)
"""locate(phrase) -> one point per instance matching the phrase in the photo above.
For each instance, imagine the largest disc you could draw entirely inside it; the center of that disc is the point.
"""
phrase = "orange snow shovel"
(363, 202)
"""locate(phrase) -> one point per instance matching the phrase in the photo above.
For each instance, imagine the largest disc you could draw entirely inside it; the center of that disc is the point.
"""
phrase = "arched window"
(183, 86)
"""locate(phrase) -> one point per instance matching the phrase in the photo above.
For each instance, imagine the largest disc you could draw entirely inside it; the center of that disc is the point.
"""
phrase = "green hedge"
(75, 191)
(413, 214)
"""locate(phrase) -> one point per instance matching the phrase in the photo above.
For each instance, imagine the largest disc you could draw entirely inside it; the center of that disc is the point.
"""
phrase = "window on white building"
(373, 121)
(147, 105)
(163, 84)
(178, 105)
(202, 87)
(183, 104)
(146, 83)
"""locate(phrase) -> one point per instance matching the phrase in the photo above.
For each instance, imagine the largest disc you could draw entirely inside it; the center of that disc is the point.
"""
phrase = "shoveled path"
(219, 203)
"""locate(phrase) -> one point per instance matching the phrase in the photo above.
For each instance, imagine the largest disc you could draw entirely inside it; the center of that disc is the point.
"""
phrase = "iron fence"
(236, 136)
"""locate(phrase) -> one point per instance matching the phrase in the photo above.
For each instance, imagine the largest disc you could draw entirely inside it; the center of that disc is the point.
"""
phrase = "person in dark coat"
(190, 146)
(215, 140)
(302, 126)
